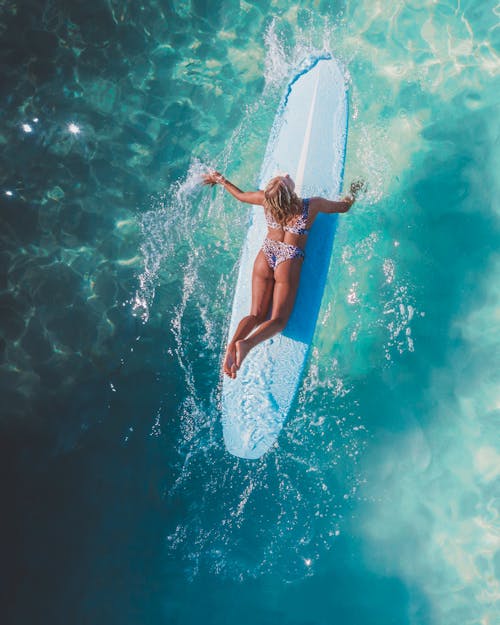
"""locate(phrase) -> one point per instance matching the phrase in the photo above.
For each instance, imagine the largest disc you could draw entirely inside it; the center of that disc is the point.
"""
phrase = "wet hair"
(280, 202)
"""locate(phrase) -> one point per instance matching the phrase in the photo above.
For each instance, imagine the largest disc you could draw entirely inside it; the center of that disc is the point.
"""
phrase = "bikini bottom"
(276, 252)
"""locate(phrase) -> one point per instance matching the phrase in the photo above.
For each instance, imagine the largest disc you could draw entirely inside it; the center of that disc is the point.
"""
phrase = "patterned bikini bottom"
(276, 252)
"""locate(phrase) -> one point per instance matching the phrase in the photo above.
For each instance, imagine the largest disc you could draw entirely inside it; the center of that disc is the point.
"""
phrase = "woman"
(276, 271)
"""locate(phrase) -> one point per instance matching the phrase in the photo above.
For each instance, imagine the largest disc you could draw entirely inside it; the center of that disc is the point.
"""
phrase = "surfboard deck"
(308, 140)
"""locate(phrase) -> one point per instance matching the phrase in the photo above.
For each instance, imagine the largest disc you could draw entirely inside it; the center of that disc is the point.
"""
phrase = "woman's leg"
(287, 277)
(262, 293)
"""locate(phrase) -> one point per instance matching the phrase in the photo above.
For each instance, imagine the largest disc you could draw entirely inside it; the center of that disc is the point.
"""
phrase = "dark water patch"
(13, 324)
(87, 443)
(19, 221)
(336, 591)
(114, 247)
(36, 342)
(19, 385)
(55, 284)
(94, 21)
(41, 43)
(82, 383)
(70, 546)
(106, 286)
(76, 331)
(133, 40)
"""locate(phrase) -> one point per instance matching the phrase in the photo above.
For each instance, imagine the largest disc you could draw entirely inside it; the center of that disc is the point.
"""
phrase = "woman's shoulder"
(315, 202)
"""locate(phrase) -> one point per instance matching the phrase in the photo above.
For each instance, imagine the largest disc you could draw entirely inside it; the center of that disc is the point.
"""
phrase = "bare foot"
(229, 366)
(242, 349)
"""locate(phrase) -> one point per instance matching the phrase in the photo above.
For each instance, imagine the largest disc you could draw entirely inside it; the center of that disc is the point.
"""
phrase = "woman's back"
(295, 229)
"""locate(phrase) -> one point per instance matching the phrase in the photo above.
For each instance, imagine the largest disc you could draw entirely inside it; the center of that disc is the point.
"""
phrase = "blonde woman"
(276, 270)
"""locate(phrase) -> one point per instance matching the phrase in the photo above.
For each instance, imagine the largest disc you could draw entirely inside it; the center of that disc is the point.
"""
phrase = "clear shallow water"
(381, 503)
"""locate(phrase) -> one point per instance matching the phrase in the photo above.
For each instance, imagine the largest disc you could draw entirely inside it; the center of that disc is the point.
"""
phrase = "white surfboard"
(308, 141)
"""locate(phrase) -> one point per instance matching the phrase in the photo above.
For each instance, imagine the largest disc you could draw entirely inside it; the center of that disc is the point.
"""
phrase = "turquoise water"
(381, 503)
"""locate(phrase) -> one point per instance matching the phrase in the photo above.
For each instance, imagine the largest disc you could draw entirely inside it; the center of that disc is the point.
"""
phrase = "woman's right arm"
(250, 197)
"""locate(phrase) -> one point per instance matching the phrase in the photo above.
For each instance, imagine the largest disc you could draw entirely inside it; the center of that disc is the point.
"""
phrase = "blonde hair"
(280, 202)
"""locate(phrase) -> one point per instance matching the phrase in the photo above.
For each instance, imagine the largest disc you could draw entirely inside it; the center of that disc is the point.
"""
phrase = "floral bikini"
(276, 252)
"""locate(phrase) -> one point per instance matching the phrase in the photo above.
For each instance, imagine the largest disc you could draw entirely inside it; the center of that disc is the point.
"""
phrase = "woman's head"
(280, 198)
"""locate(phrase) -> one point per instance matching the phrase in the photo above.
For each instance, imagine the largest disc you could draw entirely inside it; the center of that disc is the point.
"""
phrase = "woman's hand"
(350, 198)
(214, 177)
(356, 187)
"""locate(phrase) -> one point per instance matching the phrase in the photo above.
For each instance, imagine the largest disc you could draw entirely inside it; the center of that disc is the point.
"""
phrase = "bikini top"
(299, 226)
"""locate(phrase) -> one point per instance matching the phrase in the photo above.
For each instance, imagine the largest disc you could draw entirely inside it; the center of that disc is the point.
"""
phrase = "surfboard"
(307, 140)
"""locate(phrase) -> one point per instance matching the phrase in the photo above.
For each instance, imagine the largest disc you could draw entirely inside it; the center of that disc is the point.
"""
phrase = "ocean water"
(120, 505)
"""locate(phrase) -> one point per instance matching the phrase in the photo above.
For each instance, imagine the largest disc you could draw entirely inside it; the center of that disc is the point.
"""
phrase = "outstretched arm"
(250, 197)
(322, 205)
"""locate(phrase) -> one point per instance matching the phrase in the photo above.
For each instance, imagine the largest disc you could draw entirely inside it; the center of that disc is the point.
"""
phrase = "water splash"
(277, 65)
(164, 228)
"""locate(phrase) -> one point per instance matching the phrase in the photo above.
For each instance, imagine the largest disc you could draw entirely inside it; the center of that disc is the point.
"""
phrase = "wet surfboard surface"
(308, 140)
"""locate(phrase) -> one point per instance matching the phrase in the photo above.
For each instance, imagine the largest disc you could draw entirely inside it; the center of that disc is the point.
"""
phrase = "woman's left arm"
(323, 205)
(250, 197)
